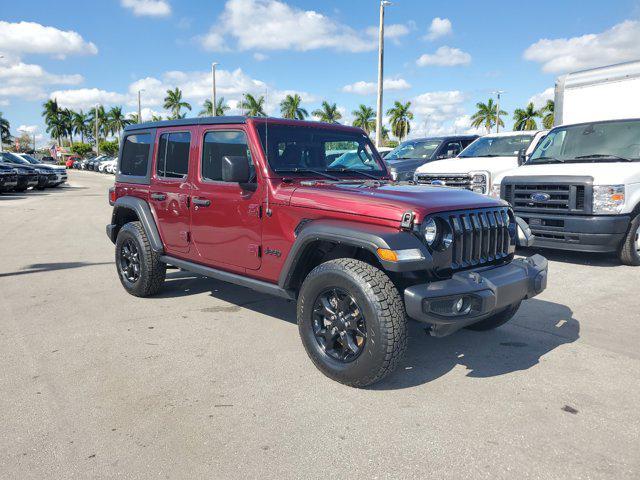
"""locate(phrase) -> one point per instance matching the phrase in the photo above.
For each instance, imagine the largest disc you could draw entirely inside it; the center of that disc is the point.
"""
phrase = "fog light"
(452, 307)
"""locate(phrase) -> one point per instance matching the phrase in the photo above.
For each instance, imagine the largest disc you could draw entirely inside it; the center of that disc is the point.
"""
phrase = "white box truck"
(580, 188)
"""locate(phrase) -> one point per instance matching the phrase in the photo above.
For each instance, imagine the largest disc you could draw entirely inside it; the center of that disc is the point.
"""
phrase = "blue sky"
(324, 50)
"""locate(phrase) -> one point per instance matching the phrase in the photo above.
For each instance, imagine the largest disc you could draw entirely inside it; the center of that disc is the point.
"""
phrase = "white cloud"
(275, 25)
(445, 57)
(28, 81)
(30, 129)
(148, 8)
(391, 32)
(260, 57)
(4, 102)
(439, 27)
(30, 37)
(618, 44)
(369, 88)
(540, 99)
(85, 98)
(439, 106)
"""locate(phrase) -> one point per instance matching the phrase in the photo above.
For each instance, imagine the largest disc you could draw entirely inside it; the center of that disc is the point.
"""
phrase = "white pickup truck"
(478, 164)
(580, 189)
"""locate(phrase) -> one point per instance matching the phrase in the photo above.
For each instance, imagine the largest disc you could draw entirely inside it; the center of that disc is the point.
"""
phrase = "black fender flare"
(354, 234)
(143, 212)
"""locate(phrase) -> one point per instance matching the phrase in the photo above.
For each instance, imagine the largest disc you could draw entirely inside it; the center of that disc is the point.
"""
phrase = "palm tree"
(79, 123)
(486, 115)
(328, 113)
(133, 118)
(525, 119)
(290, 108)
(400, 119)
(173, 102)
(156, 118)
(117, 120)
(365, 118)
(51, 113)
(5, 130)
(207, 111)
(548, 114)
(253, 107)
(65, 118)
(103, 124)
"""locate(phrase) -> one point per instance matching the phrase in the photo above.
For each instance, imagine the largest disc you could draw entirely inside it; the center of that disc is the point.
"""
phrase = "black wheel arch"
(130, 209)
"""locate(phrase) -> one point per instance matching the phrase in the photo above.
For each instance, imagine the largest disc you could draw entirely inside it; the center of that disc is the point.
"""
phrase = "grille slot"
(453, 181)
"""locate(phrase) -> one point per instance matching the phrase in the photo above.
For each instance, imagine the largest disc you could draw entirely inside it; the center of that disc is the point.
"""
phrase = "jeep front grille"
(451, 180)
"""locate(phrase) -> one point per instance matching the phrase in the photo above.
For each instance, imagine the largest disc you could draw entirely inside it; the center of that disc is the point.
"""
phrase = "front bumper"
(597, 233)
(485, 291)
(8, 182)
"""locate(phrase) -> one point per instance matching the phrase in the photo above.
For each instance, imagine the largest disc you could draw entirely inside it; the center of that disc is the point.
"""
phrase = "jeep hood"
(494, 165)
(385, 200)
(603, 173)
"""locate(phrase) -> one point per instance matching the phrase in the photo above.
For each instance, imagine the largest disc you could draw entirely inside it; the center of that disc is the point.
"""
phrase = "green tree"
(133, 118)
(109, 148)
(290, 108)
(174, 103)
(548, 114)
(253, 107)
(156, 118)
(80, 124)
(81, 149)
(525, 119)
(5, 130)
(400, 119)
(486, 115)
(66, 121)
(117, 121)
(221, 108)
(365, 118)
(103, 123)
(51, 113)
(327, 113)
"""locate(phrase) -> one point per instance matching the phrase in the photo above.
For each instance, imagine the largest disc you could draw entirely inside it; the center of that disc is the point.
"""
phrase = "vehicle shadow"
(576, 258)
(51, 267)
(537, 329)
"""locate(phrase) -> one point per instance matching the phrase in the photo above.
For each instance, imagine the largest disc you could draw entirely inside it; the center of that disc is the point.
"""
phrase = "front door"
(170, 187)
(226, 217)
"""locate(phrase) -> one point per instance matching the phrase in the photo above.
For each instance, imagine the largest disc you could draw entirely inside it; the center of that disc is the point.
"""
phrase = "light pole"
(213, 88)
(140, 106)
(97, 139)
(383, 3)
(498, 93)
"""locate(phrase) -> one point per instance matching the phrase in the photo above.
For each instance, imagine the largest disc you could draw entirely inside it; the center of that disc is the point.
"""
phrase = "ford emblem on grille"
(540, 197)
(439, 183)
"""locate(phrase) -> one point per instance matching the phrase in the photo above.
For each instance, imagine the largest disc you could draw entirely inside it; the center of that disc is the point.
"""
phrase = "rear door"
(171, 187)
(225, 217)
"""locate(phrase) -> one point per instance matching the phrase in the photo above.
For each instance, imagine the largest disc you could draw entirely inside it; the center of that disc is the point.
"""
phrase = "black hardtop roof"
(441, 137)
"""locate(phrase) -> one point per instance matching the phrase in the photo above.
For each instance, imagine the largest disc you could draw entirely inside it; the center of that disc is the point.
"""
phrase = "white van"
(580, 189)
(478, 164)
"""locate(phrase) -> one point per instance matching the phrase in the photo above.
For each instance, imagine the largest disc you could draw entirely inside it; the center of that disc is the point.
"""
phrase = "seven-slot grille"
(553, 197)
(450, 180)
(479, 236)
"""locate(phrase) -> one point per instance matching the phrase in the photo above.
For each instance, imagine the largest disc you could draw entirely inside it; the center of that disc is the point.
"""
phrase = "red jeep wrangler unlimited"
(307, 211)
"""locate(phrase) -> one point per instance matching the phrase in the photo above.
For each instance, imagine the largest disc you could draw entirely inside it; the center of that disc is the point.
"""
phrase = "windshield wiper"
(349, 170)
(603, 156)
(307, 170)
(546, 160)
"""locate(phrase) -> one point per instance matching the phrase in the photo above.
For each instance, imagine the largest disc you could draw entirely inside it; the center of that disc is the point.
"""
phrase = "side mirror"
(235, 169)
(522, 157)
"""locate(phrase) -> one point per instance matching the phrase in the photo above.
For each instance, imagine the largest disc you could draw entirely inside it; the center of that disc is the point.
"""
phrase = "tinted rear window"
(135, 155)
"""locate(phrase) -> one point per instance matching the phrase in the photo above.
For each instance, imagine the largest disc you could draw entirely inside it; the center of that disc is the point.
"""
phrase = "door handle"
(158, 196)
(201, 202)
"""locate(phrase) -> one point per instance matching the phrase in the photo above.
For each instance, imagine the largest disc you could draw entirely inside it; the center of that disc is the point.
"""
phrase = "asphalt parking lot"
(210, 380)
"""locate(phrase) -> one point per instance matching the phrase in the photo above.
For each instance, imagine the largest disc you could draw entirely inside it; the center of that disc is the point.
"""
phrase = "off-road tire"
(382, 308)
(152, 270)
(496, 320)
(628, 253)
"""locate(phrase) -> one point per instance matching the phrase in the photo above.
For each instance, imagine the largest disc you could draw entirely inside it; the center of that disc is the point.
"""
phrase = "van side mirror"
(235, 169)
(522, 157)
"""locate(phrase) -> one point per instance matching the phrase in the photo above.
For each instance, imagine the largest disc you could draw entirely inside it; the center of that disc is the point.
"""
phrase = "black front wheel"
(629, 252)
(352, 321)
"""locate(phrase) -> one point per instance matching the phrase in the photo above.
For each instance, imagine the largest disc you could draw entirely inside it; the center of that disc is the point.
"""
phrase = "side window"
(173, 155)
(219, 144)
(135, 155)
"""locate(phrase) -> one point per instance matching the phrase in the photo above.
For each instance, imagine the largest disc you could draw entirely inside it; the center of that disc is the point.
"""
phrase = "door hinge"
(188, 237)
(254, 250)
(255, 210)
(188, 202)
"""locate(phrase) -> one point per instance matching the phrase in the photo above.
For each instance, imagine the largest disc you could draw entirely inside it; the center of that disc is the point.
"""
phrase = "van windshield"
(507, 146)
(616, 141)
(310, 150)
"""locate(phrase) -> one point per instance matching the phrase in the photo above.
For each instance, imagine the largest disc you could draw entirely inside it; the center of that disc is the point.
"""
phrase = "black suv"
(44, 177)
(408, 156)
(8, 178)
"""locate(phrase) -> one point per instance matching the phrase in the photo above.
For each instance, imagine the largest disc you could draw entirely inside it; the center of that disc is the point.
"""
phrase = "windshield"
(302, 149)
(594, 142)
(507, 146)
(30, 159)
(414, 150)
(11, 158)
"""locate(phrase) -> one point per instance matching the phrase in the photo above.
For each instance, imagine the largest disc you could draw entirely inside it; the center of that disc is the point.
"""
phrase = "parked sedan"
(59, 170)
(408, 156)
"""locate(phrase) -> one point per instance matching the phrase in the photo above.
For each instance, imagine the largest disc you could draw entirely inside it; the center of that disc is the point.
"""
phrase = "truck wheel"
(352, 321)
(141, 272)
(496, 320)
(630, 249)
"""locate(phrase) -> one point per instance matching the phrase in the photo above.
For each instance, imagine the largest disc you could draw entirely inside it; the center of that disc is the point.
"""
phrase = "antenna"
(266, 147)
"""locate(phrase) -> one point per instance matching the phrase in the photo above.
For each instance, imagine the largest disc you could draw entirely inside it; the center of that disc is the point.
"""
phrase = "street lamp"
(383, 4)
(97, 139)
(213, 88)
(498, 93)
(139, 106)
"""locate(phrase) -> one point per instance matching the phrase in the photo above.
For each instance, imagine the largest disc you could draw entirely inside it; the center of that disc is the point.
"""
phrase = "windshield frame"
(381, 173)
(485, 138)
(586, 158)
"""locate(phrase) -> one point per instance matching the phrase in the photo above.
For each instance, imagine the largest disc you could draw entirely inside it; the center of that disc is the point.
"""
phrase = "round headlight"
(430, 231)
(479, 178)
